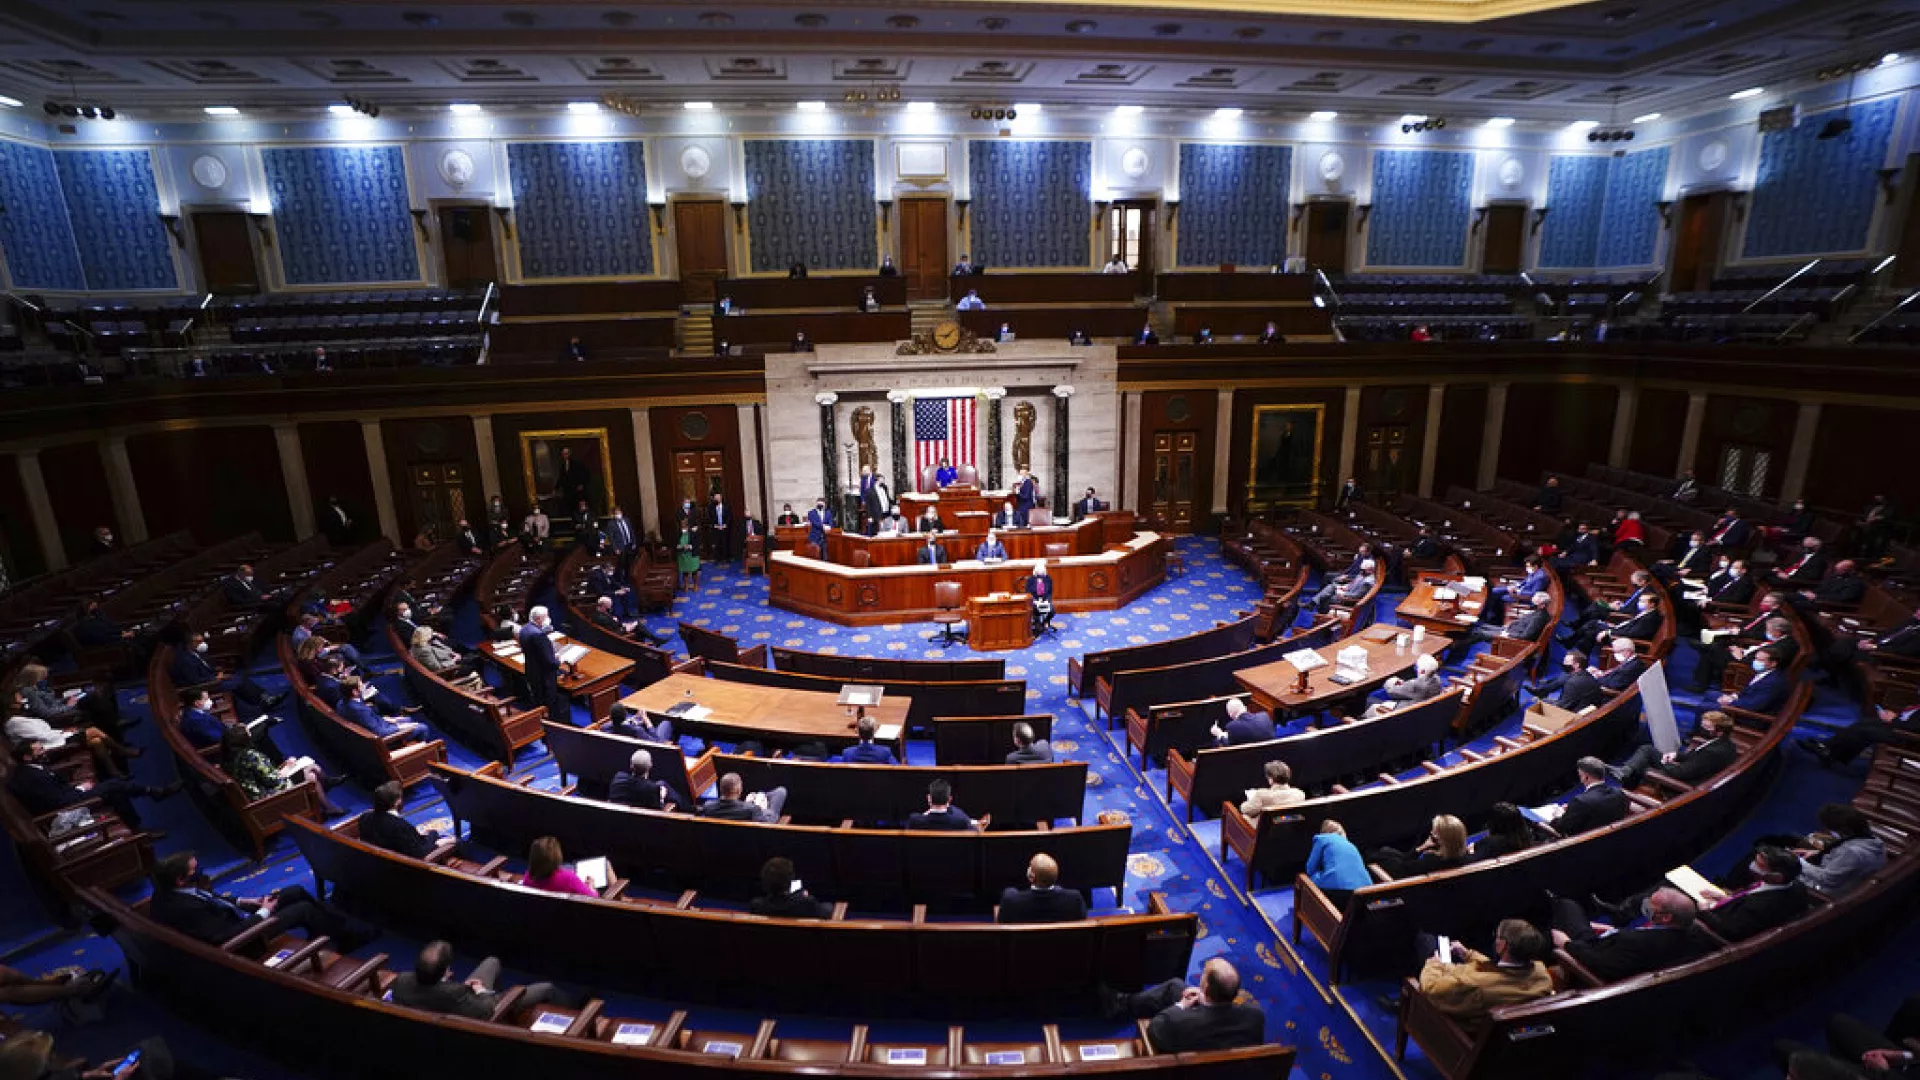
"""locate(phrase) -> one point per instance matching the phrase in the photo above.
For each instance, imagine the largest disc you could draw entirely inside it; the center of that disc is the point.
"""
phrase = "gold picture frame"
(539, 457)
(1276, 456)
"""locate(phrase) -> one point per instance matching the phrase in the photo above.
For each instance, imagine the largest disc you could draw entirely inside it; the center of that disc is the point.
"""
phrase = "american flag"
(942, 428)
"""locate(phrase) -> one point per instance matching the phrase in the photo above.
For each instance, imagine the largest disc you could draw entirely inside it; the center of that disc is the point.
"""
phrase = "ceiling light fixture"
(1749, 92)
(1583, 125)
(1890, 58)
(1228, 113)
(356, 105)
(11, 103)
(1499, 122)
(1411, 124)
(1028, 107)
(920, 107)
(341, 110)
(1129, 110)
(221, 110)
(583, 106)
(1323, 115)
(1646, 118)
(698, 106)
(810, 106)
(464, 108)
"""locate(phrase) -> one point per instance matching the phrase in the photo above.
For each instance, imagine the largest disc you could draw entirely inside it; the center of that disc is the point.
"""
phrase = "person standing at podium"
(935, 553)
(818, 521)
(1040, 587)
(992, 550)
(946, 474)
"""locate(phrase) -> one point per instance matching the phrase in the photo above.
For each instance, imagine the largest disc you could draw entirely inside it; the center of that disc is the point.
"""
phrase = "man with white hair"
(1243, 726)
(543, 666)
(1525, 625)
(1627, 667)
(635, 786)
(1426, 683)
(1808, 569)
(1346, 588)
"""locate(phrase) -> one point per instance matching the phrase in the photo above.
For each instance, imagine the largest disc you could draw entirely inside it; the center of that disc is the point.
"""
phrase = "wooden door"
(439, 498)
(698, 472)
(1131, 228)
(923, 248)
(223, 240)
(1505, 248)
(1326, 227)
(1907, 270)
(700, 239)
(1697, 241)
(1174, 468)
(466, 247)
(1384, 471)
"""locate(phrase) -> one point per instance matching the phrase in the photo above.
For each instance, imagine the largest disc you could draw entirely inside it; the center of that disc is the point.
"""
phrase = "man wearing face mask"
(1766, 691)
(1768, 893)
(543, 666)
(1730, 583)
(356, 707)
(1573, 689)
(242, 591)
(1713, 752)
(191, 668)
(103, 543)
(1697, 560)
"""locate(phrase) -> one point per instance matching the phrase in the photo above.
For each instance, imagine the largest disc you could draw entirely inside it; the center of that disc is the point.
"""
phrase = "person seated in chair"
(1768, 893)
(1612, 955)
(731, 805)
(1468, 985)
(1574, 688)
(1043, 900)
(928, 521)
(191, 668)
(942, 816)
(1444, 848)
(1644, 624)
(1767, 691)
(991, 549)
(780, 898)
(1040, 587)
(1242, 725)
(866, 751)
(1277, 795)
(1708, 757)
(946, 474)
(1628, 666)
(1004, 517)
(1426, 683)
(934, 553)
(383, 826)
(184, 900)
(639, 724)
(1028, 750)
(635, 786)
(43, 791)
(1345, 588)
(431, 987)
(1886, 725)
(356, 697)
(1271, 335)
(1190, 1018)
(1525, 625)
(1597, 803)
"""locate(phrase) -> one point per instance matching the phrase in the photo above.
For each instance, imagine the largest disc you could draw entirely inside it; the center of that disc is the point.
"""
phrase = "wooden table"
(773, 714)
(595, 676)
(1441, 616)
(966, 531)
(1272, 685)
(999, 621)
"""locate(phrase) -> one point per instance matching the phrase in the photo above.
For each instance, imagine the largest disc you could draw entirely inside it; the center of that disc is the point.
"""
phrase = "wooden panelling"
(1238, 458)
(589, 298)
(821, 328)
(1195, 411)
(1658, 422)
(18, 546)
(694, 427)
(838, 293)
(335, 453)
(1849, 452)
(1398, 415)
(1557, 427)
(213, 482)
(441, 441)
(1463, 419)
(1236, 286)
(77, 486)
(605, 339)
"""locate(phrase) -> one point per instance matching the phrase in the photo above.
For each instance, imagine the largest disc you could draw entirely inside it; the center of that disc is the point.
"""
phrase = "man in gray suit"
(1028, 750)
(1426, 683)
(430, 986)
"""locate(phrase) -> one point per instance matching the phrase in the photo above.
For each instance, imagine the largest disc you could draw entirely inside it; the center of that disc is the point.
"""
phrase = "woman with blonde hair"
(435, 656)
(1444, 848)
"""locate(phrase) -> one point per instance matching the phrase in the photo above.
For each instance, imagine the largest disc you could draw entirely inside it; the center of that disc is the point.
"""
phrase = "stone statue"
(862, 421)
(1023, 417)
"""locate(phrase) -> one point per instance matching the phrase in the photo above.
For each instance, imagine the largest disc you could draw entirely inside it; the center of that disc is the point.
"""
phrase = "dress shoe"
(333, 781)
(1619, 914)
(1112, 1003)
(168, 791)
(272, 702)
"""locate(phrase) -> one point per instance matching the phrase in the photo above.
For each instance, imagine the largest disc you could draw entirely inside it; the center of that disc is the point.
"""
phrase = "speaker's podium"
(999, 621)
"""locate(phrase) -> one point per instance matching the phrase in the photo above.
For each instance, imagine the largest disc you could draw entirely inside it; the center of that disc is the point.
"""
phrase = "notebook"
(1689, 881)
(595, 872)
(552, 1023)
(633, 1035)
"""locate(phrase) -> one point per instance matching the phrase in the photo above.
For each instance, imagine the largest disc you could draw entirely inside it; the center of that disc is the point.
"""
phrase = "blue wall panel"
(1630, 221)
(114, 207)
(340, 214)
(1576, 195)
(1812, 195)
(580, 209)
(1233, 204)
(35, 235)
(1422, 202)
(811, 201)
(1031, 202)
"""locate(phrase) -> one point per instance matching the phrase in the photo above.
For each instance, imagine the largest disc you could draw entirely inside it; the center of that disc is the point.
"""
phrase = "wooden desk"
(1023, 545)
(595, 676)
(772, 714)
(951, 501)
(999, 621)
(1272, 684)
(1441, 616)
(788, 537)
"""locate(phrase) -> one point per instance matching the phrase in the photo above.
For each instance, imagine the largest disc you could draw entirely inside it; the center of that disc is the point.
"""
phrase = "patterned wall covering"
(811, 201)
(1576, 195)
(580, 209)
(1031, 202)
(1422, 203)
(1815, 195)
(115, 208)
(1629, 220)
(1233, 204)
(35, 234)
(340, 214)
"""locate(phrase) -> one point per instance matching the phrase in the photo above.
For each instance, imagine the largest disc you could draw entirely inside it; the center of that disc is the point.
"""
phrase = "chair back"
(946, 594)
(969, 475)
(1057, 551)
(862, 559)
(1039, 516)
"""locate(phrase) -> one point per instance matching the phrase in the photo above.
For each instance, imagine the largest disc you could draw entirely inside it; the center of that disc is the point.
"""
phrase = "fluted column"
(1061, 498)
(126, 496)
(829, 451)
(995, 395)
(40, 508)
(897, 453)
(382, 480)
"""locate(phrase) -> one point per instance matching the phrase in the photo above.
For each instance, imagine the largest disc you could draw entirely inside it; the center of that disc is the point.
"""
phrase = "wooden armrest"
(1379, 873)
(491, 866)
(266, 927)
(685, 903)
(584, 1022)
(443, 851)
(509, 1001)
(839, 911)
(754, 657)
(308, 954)
(614, 890)
(1580, 975)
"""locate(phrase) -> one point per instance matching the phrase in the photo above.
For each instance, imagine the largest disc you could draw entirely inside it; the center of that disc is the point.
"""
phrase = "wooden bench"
(1083, 672)
(491, 725)
(886, 668)
(982, 740)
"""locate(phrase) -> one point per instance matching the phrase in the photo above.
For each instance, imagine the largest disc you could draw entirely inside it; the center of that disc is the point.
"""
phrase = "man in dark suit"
(635, 786)
(1042, 901)
(1350, 492)
(1697, 560)
(1025, 495)
(43, 791)
(1189, 1018)
(1843, 587)
(383, 826)
(866, 751)
(990, 549)
(1641, 626)
(356, 707)
(1146, 336)
(1806, 570)
(1583, 550)
(818, 521)
(1004, 517)
(1731, 584)
(1086, 507)
(1626, 670)
(573, 481)
(242, 591)
(1766, 691)
(1856, 1050)
(190, 667)
(623, 540)
(941, 815)
(1028, 750)
(731, 805)
(1713, 751)
(779, 899)
(1886, 725)
(934, 553)
(429, 986)
(1774, 899)
(876, 499)
(1598, 802)
(1731, 531)
(1902, 640)
(1549, 500)
(543, 666)
(787, 516)
(185, 901)
(1243, 726)
(1612, 955)
(336, 523)
(575, 351)
(466, 540)
(1527, 624)
(719, 529)
(1574, 688)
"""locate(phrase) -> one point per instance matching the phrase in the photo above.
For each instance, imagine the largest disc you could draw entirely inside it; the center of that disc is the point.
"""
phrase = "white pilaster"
(293, 475)
(1430, 443)
(40, 508)
(382, 481)
(1490, 437)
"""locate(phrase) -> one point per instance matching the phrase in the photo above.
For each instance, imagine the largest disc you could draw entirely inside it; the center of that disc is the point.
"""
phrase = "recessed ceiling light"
(1584, 125)
(1413, 118)
(810, 106)
(1026, 106)
(463, 108)
(1890, 58)
(1323, 115)
(11, 103)
(1499, 121)
(1646, 118)
(919, 106)
(340, 110)
(1129, 110)
(1228, 113)
(214, 110)
(699, 106)
(583, 106)
(1749, 92)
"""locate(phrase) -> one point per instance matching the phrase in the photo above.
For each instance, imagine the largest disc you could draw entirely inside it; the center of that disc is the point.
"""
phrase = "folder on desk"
(572, 654)
(1690, 881)
(633, 1034)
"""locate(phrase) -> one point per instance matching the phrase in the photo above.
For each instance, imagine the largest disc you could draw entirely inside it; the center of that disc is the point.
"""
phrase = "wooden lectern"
(999, 621)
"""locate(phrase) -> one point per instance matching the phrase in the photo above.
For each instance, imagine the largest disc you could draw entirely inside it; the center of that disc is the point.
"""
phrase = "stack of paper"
(572, 654)
(1305, 659)
(596, 872)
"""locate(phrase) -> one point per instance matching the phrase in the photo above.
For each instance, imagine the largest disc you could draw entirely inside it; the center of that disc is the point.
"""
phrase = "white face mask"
(200, 648)
(204, 704)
